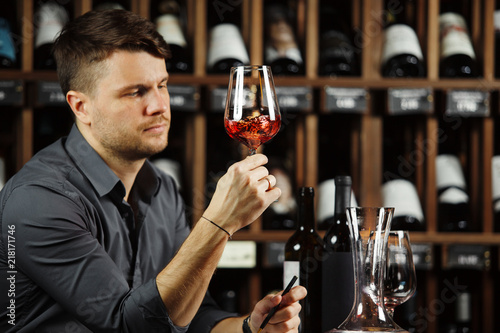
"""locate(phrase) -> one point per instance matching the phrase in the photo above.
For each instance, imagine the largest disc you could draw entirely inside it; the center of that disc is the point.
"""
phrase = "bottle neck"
(306, 220)
(342, 196)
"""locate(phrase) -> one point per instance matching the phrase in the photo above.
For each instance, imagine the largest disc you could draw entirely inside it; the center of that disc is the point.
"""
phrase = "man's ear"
(79, 103)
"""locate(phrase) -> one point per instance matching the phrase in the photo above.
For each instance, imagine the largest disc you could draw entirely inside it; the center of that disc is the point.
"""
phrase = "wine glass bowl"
(252, 114)
(400, 281)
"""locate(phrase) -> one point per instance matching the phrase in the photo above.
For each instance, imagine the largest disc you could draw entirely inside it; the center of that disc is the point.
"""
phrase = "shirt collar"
(102, 178)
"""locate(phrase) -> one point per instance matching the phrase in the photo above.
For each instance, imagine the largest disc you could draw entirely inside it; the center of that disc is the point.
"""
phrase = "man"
(93, 237)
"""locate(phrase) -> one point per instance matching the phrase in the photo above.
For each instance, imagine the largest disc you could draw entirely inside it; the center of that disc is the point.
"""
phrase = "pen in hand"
(273, 310)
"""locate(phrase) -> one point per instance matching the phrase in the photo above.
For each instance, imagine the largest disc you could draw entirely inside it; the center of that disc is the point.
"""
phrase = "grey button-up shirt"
(74, 256)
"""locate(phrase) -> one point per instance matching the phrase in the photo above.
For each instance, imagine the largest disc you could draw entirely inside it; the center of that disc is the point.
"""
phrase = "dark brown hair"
(87, 41)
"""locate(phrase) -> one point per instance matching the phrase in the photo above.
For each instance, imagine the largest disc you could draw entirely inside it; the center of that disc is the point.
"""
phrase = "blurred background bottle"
(303, 256)
(338, 56)
(169, 26)
(50, 19)
(226, 47)
(282, 52)
(7, 49)
(457, 56)
(338, 268)
(401, 54)
(453, 199)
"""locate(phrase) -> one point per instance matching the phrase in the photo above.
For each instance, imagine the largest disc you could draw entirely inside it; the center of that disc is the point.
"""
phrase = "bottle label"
(326, 200)
(402, 195)
(226, 42)
(449, 172)
(51, 19)
(454, 36)
(337, 288)
(273, 54)
(496, 20)
(6, 44)
(495, 175)
(400, 39)
(169, 27)
(453, 195)
(291, 269)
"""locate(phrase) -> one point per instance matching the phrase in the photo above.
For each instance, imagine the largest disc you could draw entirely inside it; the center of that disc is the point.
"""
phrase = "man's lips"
(158, 128)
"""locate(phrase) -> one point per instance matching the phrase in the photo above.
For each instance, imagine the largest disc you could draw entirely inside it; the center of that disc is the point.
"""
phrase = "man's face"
(130, 106)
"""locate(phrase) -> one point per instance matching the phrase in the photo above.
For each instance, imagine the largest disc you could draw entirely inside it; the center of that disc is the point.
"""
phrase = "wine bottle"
(338, 269)
(226, 47)
(401, 54)
(338, 56)
(282, 52)
(495, 175)
(453, 200)
(7, 50)
(402, 195)
(303, 256)
(51, 18)
(281, 214)
(457, 56)
(326, 206)
(169, 26)
(462, 322)
(463, 313)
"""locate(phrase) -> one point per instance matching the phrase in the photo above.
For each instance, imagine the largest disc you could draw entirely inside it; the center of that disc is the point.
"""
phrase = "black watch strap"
(246, 326)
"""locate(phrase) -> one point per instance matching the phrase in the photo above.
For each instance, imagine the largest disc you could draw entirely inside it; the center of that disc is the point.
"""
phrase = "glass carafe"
(369, 230)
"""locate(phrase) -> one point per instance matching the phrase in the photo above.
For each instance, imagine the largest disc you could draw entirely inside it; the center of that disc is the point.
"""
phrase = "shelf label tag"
(50, 93)
(183, 98)
(423, 257)
(294, 98)
(345, 100)
(289, 98)
(11, 92)
(239, 254)
(475, 257)
(469, 103)
(409, 101)
(218, 99)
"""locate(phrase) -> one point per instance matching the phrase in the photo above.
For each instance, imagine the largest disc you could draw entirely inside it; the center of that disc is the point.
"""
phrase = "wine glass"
(252, 113)
(400, 280)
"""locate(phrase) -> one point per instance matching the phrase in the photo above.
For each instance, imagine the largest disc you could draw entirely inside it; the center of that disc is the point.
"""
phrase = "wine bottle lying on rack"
(453, 200)
(51, 18)
(170, 28)
(282, 52)
(457, 56)
(401, 54)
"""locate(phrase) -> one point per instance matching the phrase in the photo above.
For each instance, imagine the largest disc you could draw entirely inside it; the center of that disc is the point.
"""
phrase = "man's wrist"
(246, 325)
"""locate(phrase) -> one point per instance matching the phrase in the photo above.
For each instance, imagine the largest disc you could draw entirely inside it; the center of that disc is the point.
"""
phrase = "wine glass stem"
(252, 152)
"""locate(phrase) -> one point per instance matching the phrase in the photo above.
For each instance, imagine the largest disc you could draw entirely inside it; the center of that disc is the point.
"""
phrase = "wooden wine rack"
(366, 132)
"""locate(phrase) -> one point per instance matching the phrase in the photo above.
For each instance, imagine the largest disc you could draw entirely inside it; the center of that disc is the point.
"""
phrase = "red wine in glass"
(252, 113)
(253, 131)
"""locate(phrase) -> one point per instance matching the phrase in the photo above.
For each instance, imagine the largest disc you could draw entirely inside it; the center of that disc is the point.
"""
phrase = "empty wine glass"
(400, 280)
(252, 113)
